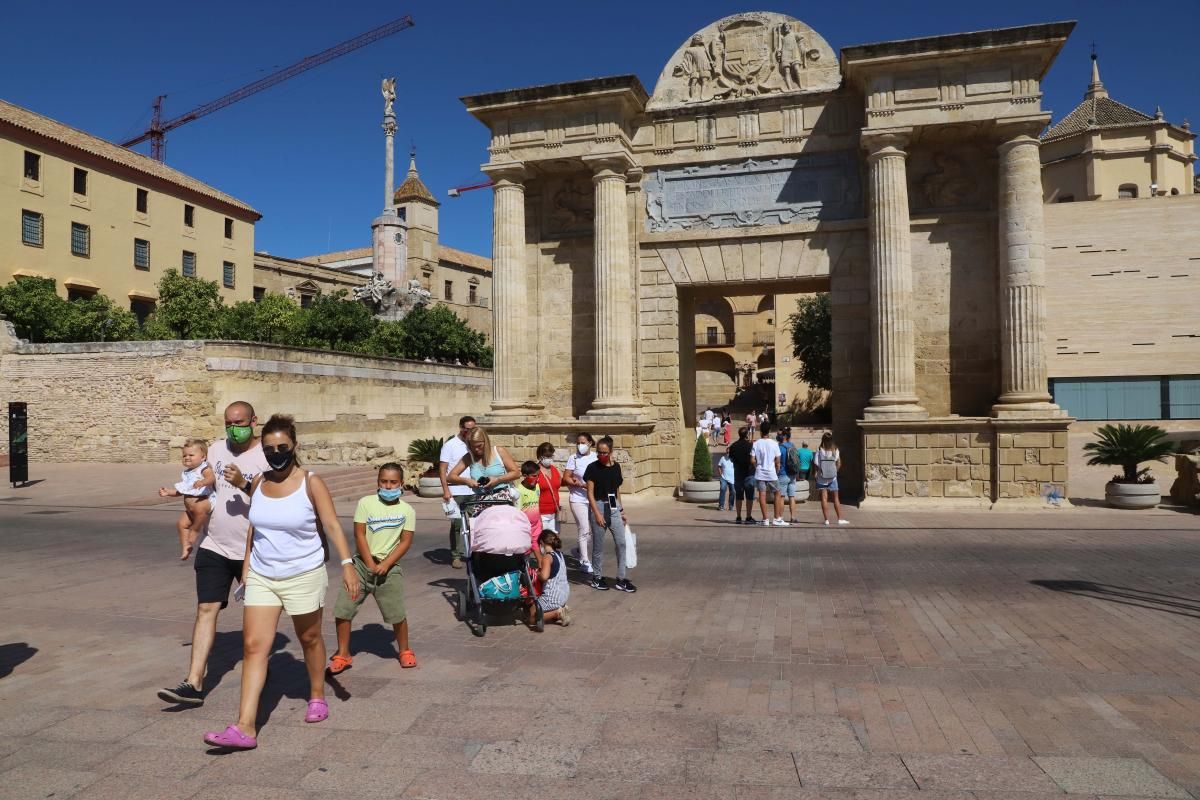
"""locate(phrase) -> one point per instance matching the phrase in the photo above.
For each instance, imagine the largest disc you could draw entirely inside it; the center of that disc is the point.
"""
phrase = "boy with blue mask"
(383, 532)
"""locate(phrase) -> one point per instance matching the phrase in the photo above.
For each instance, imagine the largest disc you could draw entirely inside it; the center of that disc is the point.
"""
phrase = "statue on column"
(388, 88)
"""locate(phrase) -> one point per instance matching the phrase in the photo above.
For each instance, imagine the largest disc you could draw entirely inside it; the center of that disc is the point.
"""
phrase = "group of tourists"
(772, 468)
(255, 517)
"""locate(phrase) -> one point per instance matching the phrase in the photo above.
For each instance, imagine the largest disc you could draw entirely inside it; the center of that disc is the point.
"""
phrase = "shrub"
(427, 450)
(1129, 446)
(702, 461)
(187, 308)
(41, 316)
(273, 319)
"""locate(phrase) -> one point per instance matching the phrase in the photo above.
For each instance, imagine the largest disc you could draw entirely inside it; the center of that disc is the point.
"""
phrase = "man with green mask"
(237, 460)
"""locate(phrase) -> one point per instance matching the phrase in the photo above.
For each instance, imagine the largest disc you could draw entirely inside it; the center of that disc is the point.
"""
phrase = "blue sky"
(308, 153)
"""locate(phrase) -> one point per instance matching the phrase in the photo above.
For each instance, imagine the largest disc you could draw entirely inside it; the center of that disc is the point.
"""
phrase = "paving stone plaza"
(990, 656)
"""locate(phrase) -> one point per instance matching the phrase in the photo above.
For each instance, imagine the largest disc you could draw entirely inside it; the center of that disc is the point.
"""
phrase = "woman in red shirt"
(549, 481)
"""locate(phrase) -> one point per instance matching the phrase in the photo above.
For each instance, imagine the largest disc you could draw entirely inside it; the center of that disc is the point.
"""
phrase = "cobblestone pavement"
(998, 657)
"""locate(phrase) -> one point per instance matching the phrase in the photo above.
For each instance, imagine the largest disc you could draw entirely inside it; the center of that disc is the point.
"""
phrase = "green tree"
(188, 308)
(273, 319)
(40, 315)
(437, 332)
(388, 339)
(334, 323)
(812, 340)
(99, 319)
(702, 468)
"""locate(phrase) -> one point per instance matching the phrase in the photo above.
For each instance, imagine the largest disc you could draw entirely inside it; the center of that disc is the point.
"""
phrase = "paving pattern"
(937, 656)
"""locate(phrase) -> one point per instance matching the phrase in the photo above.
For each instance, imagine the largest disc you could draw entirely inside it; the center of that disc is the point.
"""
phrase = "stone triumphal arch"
(902, 177)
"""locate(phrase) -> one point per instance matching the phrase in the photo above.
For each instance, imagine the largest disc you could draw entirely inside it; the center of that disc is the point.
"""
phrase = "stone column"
(1023, 381)
(893, 339)
(389, 136)
(510, 391)
(614, 291)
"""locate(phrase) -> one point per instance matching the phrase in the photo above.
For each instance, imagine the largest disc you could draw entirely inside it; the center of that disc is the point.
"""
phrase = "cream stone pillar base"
(1023, 377)
(615, 288)
(893, 337)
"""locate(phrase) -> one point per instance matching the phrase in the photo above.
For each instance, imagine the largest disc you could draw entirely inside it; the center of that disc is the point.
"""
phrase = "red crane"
(157, 132)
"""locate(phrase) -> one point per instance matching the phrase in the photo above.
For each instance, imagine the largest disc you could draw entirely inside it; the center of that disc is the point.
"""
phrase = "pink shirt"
(230, 520)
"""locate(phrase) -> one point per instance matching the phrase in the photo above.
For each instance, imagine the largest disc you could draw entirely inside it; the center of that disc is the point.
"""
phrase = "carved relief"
(948, 185)
(570, 207)
(747, 55)
(953, 178)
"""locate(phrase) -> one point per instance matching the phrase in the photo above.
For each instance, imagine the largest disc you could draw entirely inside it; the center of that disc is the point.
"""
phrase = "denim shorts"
(831, 486)
(787, 486)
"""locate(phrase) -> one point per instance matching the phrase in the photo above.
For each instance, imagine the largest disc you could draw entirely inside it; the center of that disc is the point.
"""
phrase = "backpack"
(793, 461)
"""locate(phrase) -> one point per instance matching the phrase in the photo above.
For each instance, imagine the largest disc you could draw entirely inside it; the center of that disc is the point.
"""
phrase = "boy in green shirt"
(383, 532)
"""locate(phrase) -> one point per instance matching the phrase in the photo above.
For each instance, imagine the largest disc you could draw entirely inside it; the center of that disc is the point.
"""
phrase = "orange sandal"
(339, 664)
(408, 659)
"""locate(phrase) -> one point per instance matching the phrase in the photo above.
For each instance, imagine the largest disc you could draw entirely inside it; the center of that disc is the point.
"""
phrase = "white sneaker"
(765, 523)
(843, 522)
(826, 522)
(779, 523)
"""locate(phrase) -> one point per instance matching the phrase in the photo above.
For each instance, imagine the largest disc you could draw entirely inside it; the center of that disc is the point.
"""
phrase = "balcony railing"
(764, 338)
(714, 340)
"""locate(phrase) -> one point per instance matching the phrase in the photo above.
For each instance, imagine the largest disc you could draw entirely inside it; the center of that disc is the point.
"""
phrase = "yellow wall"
(109, 211)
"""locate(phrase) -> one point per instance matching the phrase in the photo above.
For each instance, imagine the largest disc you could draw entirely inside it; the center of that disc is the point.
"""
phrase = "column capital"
(511, 172)
(611, 163)
(1013, 131)
(886, 142)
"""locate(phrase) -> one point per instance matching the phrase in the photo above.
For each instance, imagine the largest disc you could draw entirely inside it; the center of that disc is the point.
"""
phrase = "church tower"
(417, 206)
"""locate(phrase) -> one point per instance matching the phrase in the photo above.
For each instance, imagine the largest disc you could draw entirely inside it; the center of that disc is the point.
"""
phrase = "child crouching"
(383, 532)
(195, 486)
(552, 569)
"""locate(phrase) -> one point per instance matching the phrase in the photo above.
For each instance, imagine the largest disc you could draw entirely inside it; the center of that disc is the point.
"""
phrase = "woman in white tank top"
(284, 570)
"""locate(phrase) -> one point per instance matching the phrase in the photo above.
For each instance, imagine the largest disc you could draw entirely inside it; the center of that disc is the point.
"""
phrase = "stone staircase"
(348, 482)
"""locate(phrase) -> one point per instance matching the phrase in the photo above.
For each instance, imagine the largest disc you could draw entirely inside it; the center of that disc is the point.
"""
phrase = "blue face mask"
(390, 495)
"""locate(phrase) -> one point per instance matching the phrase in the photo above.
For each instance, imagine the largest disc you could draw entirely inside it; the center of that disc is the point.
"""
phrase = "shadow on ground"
(14, 655)
(1141, 598)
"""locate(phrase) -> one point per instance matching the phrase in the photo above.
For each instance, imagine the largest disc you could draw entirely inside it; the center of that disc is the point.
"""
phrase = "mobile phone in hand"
(239, 594)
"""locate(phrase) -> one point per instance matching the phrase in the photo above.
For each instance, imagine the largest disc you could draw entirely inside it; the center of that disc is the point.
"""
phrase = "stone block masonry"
(138, 401)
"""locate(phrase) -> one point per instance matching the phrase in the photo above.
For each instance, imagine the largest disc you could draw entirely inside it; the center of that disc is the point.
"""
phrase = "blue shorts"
(787, 486)
(832, 486)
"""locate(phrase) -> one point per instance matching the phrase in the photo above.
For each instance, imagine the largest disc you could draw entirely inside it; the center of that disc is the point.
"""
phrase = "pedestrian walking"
(236, 461)
(453, 450)
(603, 478)
(829, 462)
(577, 465)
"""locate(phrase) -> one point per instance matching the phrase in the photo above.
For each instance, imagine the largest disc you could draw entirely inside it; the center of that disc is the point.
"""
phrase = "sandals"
(339, 664)
(318, 710)
(408, 659)
(231, 739)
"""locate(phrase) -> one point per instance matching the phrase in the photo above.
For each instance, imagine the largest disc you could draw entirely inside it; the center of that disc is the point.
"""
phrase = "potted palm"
(427, 451)
(1128, 446)
(701, 488)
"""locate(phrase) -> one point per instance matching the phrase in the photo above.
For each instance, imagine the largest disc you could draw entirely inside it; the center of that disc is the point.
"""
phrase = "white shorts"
(299, 594)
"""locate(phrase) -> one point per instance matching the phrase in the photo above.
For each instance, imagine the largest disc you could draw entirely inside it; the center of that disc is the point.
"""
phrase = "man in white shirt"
(453, 450)
(765, 458)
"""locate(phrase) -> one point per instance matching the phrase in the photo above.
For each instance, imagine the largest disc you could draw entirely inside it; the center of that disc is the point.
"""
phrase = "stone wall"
(138, 401)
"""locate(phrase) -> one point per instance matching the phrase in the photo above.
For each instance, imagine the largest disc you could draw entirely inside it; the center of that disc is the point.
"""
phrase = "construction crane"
(457, 191)
(157, 132)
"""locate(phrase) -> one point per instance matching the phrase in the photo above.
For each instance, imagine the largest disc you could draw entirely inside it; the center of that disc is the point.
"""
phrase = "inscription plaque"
(821, 186)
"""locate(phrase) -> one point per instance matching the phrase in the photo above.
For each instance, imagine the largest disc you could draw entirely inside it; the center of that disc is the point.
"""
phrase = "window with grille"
(32, 228)
(81, 239)
(79, 182)
(1127, 191)
(141, 254)
(189, 216)
(259, 294)
(143, 201)
(33, 166)
(228, 275)
(189, 264)
(449, 290)
(228, 228)
(78, 293)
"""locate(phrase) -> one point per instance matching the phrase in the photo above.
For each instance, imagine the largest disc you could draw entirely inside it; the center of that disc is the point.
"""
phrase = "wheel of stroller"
(540, 620)
(480, 621)
(462, 605)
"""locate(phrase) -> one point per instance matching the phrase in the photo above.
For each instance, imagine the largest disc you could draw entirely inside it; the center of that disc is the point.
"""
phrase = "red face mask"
(604, 458)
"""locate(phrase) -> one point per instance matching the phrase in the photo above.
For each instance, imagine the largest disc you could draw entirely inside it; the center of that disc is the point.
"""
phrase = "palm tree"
(1128, 446)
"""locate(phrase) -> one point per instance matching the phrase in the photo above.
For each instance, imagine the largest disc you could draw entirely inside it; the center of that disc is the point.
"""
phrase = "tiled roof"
(48, 128)
(1096, 112)
(414, 188)
(444, 253)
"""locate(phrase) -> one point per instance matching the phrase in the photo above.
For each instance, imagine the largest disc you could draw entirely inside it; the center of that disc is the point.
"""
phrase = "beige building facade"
(302, 281)
(902, 177)
(97, 217)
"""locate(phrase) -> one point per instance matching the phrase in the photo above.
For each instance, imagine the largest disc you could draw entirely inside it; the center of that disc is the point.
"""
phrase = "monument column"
(510, 390)
(893, 339)
(1023, 380)
(614, 290)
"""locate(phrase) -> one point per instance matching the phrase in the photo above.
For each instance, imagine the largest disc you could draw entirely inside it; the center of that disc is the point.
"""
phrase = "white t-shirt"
(708, 415)
(229, 522)
(578, 464)
(765, 453)
(453, 449)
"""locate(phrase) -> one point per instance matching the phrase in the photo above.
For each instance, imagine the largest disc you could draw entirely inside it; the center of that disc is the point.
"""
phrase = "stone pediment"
(747, 55)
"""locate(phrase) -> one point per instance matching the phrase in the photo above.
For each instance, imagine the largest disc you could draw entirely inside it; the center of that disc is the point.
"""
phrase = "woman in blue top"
(486, 465)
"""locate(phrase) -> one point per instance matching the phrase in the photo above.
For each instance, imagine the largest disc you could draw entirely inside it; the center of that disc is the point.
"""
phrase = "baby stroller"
(496, 536)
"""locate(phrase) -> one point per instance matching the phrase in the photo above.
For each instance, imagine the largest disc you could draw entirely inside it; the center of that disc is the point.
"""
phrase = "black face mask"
(280, 459)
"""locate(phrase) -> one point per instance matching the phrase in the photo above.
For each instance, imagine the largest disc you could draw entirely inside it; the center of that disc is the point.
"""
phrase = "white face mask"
(546, 462)
(583, 449)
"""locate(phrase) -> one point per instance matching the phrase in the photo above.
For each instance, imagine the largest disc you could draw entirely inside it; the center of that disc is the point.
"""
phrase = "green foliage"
(1128, 446)
(702, 468)
(40, 315)
(812, 340)
(437, 332)
(333, 323)
(428, 450)
(188, 308)
(273, 319)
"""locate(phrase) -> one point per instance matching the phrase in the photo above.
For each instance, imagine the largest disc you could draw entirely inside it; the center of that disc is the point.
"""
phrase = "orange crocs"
(408, 659)
(339, 664)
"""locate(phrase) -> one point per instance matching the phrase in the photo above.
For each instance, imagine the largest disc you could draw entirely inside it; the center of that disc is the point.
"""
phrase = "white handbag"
(630, 548)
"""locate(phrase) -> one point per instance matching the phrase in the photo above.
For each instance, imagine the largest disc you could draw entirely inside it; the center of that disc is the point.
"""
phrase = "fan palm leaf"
(1128, 446)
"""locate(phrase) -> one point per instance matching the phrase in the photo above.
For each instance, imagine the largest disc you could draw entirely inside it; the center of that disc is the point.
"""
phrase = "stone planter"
(700, 491)
(429, 486)
(1131, 495)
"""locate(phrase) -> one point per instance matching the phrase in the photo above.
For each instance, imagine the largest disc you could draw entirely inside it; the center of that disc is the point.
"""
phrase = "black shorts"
(743, 489)
(215, 575)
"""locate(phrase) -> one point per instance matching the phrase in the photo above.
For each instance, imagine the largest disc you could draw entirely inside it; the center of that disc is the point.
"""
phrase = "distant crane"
(455, 192)
(157, 132)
